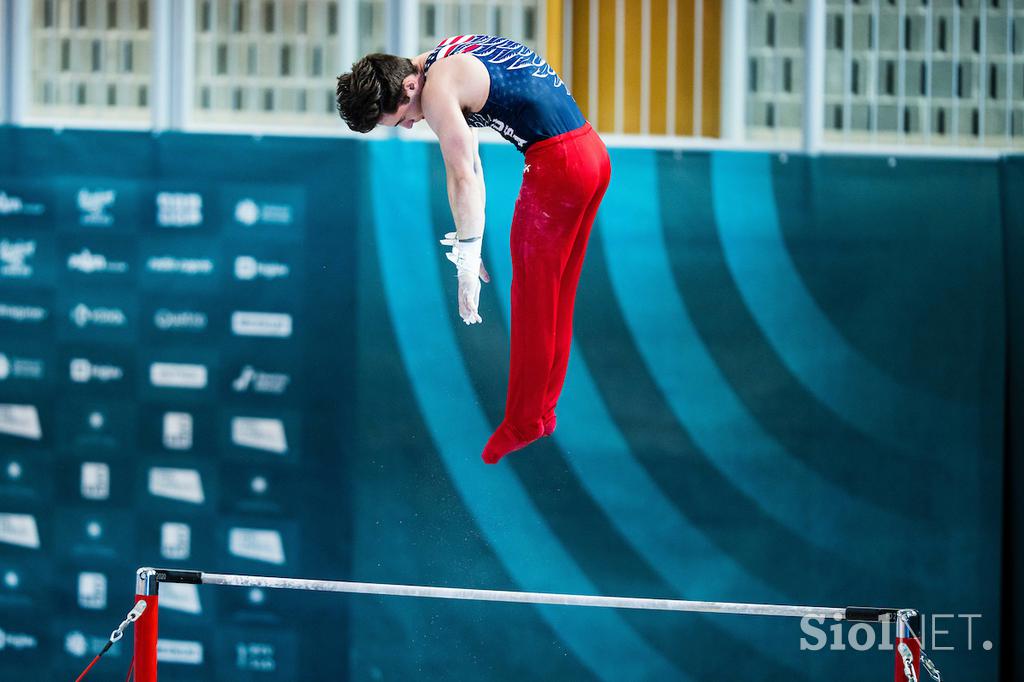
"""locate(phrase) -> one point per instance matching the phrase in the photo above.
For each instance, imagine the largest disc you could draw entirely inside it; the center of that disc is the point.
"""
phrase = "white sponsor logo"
(184, 485)
(20, 530)
(260, 382)
(179, 209)
(175, 542)
(82, 371)
(180, 597)
(78, 645)
(177, 375)
(14, 257)
(20, 368)
(179, 651)
(21, 421)
(169, 265)
(177, 431)
(248, 268)
(255, 656)
(22, 313)
(248, 212)
(92, 590)
(17, 641)
(93, 206)
(277, 325)
(256, 544)
(259, 433)
(95, 480)
(173, 320)
(87, 262)
(83, 316)
(12, 205)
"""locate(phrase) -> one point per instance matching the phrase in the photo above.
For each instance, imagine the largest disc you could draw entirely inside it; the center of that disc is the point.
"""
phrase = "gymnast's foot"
(550, 421)
(506, 439)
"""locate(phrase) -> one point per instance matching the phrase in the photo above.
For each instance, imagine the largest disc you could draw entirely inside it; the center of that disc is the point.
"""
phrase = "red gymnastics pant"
(564, 180)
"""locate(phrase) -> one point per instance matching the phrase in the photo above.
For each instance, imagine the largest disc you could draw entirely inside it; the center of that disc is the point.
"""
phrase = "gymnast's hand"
(470, 268)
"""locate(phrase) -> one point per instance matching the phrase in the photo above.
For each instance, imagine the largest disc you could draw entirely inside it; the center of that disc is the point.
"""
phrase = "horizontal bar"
(838, 613)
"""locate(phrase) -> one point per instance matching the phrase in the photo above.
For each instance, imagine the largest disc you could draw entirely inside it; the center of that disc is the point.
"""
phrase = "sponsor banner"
(92, 533)
(272, 435)
(97, 260)
(261, 489)
(259, 324)
(167, 319)
(106, 370)
(177, 428)
(183, 652)
(26, 314)
(86, 426)
(168, 265)
(176, 483)
(20, 422)
(26, 477)
(270, 212)
(178, 373)
(181, 210)
(100, 318)
(258, 379)
(27, 258)
(255, 652)
(25, 204)
(99, 205)
(24, 365)
(19, 530)
(188, 376)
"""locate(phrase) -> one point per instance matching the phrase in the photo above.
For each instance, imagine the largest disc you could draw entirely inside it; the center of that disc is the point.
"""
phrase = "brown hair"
(372, 88)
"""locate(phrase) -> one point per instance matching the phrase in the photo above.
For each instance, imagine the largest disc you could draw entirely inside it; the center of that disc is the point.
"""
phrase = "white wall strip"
(645, 67)
(620, 64)
(698, 67)
(670, 73)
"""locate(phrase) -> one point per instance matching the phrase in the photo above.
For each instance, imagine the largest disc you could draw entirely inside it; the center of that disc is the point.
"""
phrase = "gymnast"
(485, 81)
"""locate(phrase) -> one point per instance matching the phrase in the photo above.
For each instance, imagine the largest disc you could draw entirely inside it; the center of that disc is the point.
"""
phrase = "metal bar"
(645, 67)
(620, 64)
(670, 75)
(734, 70)
(814, 74)
(698, 67)
(865, 614)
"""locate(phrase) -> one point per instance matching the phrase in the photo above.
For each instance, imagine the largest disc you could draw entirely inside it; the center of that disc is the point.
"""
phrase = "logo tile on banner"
(263, 213)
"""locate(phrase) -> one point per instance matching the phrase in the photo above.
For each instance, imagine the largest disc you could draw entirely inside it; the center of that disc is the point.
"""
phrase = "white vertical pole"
(183, 54)
(875, 71)
(620, 64)
(5, 62)
(901, 70)
(929, 48)
(349, 44)
(592, 103)
(1008, 97)
(541, 28)
(670, 72)
(847, 67)
(982, 71)
(698, 67)
(814, 85)
(956, 73)
(734, 70)
(645, 67)
(19, 67)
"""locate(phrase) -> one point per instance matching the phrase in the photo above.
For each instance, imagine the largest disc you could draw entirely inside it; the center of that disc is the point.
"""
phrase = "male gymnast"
(486, 81)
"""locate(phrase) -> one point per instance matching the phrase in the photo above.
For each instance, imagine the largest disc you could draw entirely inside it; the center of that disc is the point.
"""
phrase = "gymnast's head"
(381, 89)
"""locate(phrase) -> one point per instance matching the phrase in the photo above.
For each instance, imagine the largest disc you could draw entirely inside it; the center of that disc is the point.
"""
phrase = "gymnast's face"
(409, 112)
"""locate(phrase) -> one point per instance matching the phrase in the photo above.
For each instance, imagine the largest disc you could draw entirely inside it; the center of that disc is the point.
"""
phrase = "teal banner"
(794, 380)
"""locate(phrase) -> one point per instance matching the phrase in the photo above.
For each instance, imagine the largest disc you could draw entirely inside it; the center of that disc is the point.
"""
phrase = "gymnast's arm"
(478, 169)
(443, 112)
